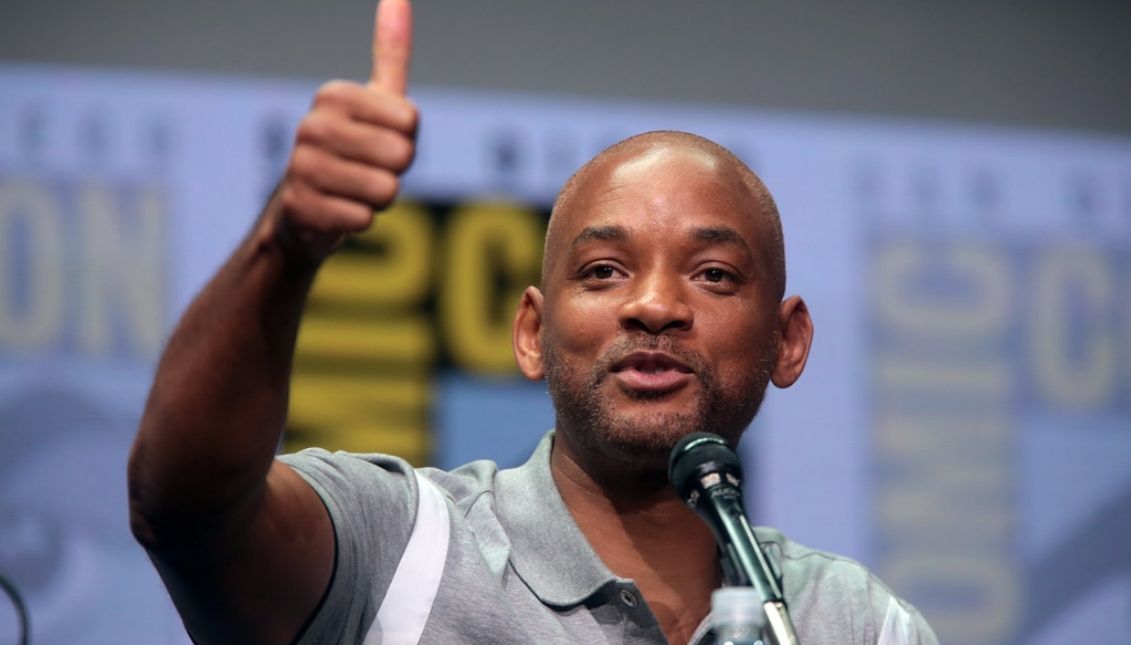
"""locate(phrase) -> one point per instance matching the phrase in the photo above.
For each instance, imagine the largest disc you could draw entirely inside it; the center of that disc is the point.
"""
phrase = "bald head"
(652, 148)
(661, 307)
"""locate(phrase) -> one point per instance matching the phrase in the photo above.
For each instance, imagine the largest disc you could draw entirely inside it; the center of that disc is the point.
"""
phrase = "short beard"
(633, 450)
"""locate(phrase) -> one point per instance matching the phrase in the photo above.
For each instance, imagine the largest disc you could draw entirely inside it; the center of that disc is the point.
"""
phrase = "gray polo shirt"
(518, 570)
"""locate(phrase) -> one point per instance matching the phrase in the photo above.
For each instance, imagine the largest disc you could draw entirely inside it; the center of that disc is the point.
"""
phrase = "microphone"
(707, 476)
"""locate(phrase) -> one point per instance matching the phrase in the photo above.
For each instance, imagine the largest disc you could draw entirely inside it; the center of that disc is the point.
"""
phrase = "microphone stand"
(745, 564)
(707, 475)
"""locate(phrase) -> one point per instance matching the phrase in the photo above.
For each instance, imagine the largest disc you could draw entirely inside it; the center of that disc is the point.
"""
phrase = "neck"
(646, 533)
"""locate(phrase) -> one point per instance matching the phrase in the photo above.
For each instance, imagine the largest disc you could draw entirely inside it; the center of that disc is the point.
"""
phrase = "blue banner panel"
(963, 426)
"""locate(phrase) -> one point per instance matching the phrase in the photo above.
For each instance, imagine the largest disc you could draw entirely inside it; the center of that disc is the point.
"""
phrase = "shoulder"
(805, 567)
(831, 595)
(385, 481)
(374, 501)
(353, 486)
(464, 486)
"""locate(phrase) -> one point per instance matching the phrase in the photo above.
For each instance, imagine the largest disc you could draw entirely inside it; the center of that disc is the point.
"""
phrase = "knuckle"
(312, 128)
(298, 205)
(303, 162)
(290, 198)
(403, 152)
(412, 118)
(387, 187)
(393, 150)
(322, 219)
(333, 92)
(398, 112)
(358, 218)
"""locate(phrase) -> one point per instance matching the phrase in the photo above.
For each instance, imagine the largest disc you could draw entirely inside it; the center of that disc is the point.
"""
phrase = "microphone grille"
(698, 454)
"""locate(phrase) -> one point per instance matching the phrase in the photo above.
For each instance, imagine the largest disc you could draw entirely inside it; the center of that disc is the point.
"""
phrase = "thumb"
(392, 45)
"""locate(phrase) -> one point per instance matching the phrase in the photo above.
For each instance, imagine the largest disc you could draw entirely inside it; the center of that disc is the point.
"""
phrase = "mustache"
(624, 346)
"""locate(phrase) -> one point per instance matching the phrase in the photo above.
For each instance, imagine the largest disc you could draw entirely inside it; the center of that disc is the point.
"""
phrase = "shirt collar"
(548, 550)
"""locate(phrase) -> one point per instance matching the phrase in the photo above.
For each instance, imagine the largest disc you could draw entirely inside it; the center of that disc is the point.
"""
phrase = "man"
(660, 313)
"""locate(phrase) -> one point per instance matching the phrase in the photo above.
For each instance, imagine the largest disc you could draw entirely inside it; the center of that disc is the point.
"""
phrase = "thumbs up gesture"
(352, 147)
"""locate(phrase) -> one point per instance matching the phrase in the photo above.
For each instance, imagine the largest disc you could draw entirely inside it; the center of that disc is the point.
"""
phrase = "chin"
(642, 442)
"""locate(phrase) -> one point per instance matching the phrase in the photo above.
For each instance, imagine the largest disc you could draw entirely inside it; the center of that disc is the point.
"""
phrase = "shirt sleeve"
(371, 501)
(904, 625)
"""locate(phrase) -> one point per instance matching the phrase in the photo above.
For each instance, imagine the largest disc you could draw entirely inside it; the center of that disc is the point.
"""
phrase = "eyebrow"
(723, 235)
(710, 234)
(600, 234)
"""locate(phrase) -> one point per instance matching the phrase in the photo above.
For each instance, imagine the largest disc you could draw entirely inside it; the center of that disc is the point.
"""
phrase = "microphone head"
(699, 454)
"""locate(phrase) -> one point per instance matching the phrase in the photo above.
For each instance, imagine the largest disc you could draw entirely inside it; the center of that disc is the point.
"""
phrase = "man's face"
(659, 314)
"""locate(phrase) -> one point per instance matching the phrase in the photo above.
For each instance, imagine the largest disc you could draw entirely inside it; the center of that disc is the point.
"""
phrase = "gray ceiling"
(1042, 63)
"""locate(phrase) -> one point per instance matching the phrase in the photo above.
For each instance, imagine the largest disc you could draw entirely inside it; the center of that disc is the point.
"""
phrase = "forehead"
(665, 189)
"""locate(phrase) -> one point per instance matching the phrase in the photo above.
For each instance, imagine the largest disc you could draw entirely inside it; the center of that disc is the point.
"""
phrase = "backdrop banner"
(963, 427)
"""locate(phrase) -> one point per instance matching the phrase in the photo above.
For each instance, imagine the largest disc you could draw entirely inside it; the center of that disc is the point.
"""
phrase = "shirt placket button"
(628, 598)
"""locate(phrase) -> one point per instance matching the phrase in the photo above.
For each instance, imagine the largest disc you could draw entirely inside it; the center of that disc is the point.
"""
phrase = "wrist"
(301, 250)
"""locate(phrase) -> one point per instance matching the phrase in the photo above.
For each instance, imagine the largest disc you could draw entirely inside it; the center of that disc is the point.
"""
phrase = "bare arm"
(243, 543)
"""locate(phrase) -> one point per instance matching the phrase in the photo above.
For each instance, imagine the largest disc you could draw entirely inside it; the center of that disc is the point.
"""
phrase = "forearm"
(243, 542)
(219, 398)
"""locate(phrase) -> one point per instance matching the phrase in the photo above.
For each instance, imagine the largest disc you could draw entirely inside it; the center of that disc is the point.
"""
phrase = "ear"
(796, 329)
(526, 336)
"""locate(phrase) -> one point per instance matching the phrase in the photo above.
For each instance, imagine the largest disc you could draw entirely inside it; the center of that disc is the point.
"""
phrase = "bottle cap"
(737, 606)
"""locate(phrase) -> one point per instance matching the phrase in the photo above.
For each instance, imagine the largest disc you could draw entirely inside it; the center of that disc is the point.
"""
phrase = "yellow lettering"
(38, 319)
(361, 379)
(902, 269)
(361, 413)
(493, 252)
(404, 339)
(945, 484)
(969, 377)
(389, 265)
(121, 270)
(984, 586)
(965, 436)
(943, 386)
(1074, 369)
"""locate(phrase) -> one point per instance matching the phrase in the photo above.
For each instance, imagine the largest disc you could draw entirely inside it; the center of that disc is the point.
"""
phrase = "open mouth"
(651, 372)
(650, 363)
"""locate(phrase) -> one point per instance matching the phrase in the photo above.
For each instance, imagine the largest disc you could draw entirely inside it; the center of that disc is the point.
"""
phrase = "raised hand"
(352, 147)
(244, 544)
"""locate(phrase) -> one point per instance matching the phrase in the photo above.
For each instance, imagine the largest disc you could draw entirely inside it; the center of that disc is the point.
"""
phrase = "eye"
(719, 279)
(716, 275)
(601, 272)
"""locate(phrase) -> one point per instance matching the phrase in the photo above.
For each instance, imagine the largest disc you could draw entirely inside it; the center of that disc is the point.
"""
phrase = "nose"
(656, 304)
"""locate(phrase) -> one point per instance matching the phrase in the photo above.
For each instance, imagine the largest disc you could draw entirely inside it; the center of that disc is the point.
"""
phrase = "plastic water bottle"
(737, 616)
